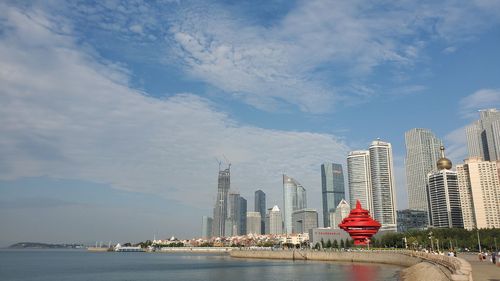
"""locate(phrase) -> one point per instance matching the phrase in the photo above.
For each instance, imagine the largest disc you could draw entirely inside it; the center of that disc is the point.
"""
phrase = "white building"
(274, 221)
(303, 220)
(422, 153)
(383, 186)
(483, 136)
(359, 180)
(342, 211)
(479, 186)
(444, 198)
(253, 222)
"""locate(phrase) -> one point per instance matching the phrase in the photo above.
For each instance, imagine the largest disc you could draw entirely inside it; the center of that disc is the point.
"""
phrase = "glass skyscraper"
(260, 206)
(422, 153)
(383, 186)
(220, 208)
(332, 189)
(243, 216)
(294, 198)
(483, 136)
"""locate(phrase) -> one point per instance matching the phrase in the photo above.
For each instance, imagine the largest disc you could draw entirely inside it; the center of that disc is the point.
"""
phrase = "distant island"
(36, 245)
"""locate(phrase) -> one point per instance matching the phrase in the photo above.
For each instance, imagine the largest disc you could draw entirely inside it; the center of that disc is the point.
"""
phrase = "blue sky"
(116, 111)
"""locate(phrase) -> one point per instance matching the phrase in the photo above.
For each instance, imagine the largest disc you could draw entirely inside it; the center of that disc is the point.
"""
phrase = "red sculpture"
(360, 226)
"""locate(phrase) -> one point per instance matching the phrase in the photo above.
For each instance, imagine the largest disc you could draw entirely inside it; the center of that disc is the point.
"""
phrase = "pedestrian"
(494, 257)
(480, 256)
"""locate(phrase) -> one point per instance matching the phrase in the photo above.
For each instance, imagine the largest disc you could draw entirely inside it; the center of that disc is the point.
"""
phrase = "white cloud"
(481, 99)
(65, 115)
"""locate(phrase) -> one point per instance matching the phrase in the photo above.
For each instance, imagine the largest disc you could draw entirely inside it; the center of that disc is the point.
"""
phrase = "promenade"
(482, 271)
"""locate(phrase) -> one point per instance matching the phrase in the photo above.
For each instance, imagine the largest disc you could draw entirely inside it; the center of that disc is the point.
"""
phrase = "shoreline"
(419, 266)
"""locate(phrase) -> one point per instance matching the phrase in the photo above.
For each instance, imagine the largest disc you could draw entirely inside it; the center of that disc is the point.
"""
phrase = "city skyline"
(117, 112)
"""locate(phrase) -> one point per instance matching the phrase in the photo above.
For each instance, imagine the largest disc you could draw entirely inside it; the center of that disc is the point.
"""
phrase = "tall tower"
(206, 227)
(274, 221)
(479, 185)
(422, 152)
(294, 198)
(483, 136)
(243, 216)
(383, 187)
(220, 209)
(260, 206)
(359, 179)
(444, 198)
(233, 215)
(332, 189)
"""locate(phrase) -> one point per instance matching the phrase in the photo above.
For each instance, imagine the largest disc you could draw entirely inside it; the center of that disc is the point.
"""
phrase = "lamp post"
(478, 240)
(432, 243)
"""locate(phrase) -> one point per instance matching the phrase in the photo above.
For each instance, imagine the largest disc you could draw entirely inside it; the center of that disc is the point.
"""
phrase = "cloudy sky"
(114, 113)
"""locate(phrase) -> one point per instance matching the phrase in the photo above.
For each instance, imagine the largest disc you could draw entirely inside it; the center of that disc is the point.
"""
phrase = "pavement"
(482, 271)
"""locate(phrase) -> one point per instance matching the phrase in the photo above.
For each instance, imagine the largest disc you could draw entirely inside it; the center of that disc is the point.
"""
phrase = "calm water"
(52, 265)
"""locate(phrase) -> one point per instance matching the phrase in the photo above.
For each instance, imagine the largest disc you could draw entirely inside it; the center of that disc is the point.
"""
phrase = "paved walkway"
(482, 271)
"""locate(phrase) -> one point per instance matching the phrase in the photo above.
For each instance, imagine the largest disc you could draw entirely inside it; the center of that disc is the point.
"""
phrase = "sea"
(81, 265)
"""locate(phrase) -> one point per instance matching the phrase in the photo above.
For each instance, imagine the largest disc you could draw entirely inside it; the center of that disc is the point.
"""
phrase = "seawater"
(80, 265)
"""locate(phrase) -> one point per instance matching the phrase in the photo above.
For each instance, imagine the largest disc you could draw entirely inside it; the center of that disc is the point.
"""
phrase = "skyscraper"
(294, 198)
(260, 206)
(220, 208)
(383, 187)
(243, 216)
(332, 189)
(206, 227)
(274, 221)
(253, 223)
(444, 198)
(483, 136)
(422, 153)
(479, 185)
(233, 215)
(359, 179)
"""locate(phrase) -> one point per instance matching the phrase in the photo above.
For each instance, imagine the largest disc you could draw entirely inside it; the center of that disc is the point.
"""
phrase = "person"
(480, 256)
(494, 257)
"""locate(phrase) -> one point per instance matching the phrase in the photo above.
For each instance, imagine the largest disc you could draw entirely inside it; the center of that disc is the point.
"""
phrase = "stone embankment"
(420, 266)
(195, 250)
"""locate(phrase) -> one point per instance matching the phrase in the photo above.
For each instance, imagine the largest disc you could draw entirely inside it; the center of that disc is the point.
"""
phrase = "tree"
(342, 245)
(335, 244)
(347, 243)
(328, 243)
(322, 243)
(317, 246)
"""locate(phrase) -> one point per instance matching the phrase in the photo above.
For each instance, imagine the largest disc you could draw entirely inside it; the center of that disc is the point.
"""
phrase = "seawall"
(420, 266)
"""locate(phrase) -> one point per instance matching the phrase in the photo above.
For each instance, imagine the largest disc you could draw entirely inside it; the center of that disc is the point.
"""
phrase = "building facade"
(220, 208)
(412, 220)
(383, 186)
(303, 220)
(274, 221)
(422, 153)
(479, 185)
(341, 212)
(233, 215)
(294, 198)
(318, 235)
(483, 136)
(206, 227)
(359, 179)
(260, 206)
(332, 189)
(243, 216)
(253, 223)
(444, 197)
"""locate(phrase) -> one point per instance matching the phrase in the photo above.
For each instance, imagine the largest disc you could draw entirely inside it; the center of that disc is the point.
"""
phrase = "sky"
(115, 114)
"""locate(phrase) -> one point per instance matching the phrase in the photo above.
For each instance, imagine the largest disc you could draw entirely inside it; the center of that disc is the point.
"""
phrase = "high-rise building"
(294, 198)
(383, 186)
(332, 189)
(359, 179)
(483, 136)
(303, 220)
(274, 222)
(233, 215)
(479, 185)
(243, 216)
(444, 198)
(220, 209)
(342, 211)
(260, 206)
(422, 153)
(206, 227)
(253, 223)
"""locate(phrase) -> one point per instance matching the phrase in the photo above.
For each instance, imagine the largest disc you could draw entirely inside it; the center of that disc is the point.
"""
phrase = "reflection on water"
(46, 265)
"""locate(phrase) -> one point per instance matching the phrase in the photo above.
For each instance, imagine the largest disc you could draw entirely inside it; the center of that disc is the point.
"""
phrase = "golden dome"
(443, 162)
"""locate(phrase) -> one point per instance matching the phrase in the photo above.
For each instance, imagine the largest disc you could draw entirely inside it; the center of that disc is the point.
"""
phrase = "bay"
(80, 265)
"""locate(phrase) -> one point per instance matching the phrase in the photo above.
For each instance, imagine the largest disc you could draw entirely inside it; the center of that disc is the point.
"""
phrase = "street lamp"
(432, 243)
(478, 241)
